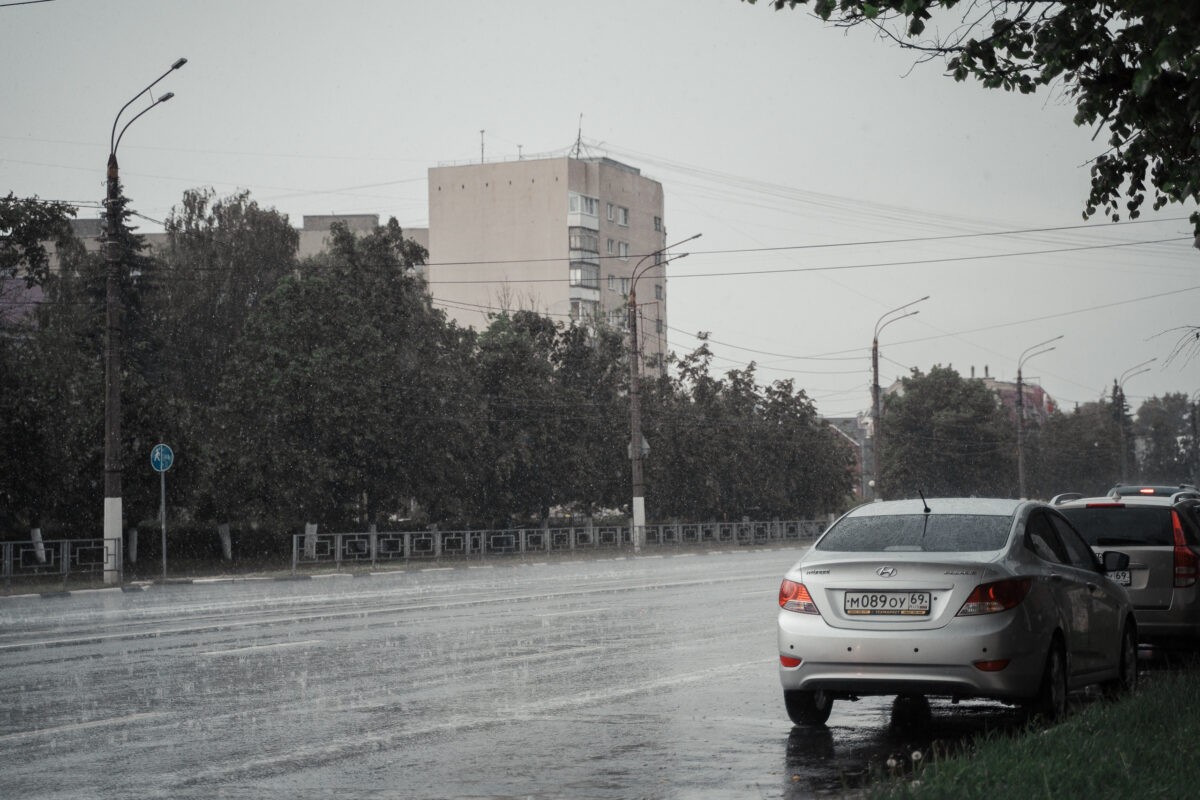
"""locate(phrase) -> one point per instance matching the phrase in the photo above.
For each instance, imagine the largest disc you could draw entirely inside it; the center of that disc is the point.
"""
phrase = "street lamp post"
(875, 398)
(1119, 385)
(113, 252)
(1020, 409)
(638, 508)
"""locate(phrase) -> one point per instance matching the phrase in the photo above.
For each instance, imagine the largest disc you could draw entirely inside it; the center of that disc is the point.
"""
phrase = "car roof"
(984, 506)
(1076, 500)
(1150, 489)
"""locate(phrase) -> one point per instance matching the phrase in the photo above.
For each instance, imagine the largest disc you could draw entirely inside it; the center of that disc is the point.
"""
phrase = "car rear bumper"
(932, 662)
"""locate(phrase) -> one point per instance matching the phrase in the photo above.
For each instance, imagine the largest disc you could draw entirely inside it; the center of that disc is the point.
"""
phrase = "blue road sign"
(162, 457)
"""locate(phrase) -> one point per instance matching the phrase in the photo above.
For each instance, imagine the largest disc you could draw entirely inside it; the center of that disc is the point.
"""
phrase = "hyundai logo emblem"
(886, 572)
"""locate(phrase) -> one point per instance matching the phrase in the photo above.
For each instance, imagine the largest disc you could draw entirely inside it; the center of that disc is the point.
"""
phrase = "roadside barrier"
(370, 548)
(57, 558)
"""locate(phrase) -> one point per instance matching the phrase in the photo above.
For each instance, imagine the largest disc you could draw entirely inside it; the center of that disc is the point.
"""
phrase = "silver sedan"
(959, 597)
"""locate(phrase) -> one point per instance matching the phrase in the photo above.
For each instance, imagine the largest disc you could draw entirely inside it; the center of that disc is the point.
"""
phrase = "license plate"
(909, 604)
(1122, 577)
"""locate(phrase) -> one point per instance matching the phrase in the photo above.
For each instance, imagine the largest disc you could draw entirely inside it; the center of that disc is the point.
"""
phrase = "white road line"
(79, 726)
(260, 647)
(569, 613)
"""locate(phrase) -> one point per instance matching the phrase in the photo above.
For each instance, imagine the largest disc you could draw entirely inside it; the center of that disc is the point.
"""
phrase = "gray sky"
(791, 145)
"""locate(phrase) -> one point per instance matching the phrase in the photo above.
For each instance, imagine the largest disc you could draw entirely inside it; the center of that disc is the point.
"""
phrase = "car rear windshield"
(1104, 526)
(942, 533)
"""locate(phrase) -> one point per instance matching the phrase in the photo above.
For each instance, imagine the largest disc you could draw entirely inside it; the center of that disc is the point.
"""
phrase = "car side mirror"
(1114, 561)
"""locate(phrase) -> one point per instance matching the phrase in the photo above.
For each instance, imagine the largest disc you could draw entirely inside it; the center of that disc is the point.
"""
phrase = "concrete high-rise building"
(559, 236)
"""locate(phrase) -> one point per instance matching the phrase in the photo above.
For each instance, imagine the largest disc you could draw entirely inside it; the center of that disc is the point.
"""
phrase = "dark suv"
(1161, 534)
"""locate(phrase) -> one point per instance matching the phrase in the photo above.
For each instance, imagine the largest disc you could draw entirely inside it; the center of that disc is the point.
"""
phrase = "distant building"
(314, 232)
(560, 236)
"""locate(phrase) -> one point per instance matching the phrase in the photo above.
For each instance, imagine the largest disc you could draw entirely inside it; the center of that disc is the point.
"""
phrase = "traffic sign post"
(161, 458)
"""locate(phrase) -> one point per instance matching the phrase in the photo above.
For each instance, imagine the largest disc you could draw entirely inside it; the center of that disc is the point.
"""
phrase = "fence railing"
(58, 558)
(357, 549)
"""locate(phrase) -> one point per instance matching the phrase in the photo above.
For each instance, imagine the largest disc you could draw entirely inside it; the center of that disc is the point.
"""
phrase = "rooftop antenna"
(480, 145)
(579, 138)
(519, 156)
(923, 501)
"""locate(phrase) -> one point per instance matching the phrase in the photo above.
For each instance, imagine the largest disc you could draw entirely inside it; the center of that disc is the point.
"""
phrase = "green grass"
(1146, 745)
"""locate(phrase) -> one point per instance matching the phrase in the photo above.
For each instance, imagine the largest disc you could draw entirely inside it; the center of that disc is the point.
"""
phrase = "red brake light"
(1187, 565)
(994, 665)
(1104, 505)
(789, 662)
(795, 597)
(992, 598)
(1145, 491)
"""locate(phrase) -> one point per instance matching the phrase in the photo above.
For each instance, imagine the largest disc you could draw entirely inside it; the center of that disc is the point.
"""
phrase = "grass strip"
(1146, 745)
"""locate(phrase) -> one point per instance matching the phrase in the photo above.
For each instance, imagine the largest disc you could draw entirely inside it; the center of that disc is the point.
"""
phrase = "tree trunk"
(39, 549)
(226, 543)
(310, 540)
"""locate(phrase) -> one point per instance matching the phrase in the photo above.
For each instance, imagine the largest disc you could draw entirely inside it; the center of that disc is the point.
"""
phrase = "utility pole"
(876, 405)
(114, 248)
(1020, 409)
(638, 506)
(1119, 400)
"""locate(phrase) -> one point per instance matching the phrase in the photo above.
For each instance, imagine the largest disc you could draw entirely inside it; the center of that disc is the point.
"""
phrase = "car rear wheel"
(808, 708)
(1051, 700)
(1127, 670)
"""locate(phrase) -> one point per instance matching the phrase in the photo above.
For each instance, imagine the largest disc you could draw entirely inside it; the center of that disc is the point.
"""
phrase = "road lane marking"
(80, 726)
(261, 647)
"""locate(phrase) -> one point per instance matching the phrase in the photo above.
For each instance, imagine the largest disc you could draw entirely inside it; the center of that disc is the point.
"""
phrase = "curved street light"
(638, 507)
(113, 515)
(875, 399)
(1020, 407)
(1119, 399)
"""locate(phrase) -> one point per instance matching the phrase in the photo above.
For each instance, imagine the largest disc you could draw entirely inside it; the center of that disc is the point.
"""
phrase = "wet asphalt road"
(651, 677)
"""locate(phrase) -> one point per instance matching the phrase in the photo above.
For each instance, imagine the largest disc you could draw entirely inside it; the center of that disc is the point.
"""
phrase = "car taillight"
(795, 597)
(1187, 565)
(991, 598)
(790, 662)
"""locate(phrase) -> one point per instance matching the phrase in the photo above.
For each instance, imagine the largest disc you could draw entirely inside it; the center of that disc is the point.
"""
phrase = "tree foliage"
(948, 436)
(1130, 66)
(728, 448)
(331, 390)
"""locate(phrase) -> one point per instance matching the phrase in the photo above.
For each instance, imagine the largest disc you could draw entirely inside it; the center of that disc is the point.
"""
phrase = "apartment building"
(561, 236)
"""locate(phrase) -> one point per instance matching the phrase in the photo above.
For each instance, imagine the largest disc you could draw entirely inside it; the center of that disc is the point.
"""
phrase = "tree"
(1076, 452)
(1164, 426)
(334, 404)
(1132, 66)
(729, 448)
(946, 435)
(26, 225)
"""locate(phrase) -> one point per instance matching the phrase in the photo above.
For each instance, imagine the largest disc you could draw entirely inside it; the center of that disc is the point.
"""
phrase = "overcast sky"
(800, 151)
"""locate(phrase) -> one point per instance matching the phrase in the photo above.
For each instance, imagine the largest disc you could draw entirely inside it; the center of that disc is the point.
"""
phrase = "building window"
(617, 318)
(612, 247)
(658, 291)
(658, 223)
(624, 285)
(585, 275)
(610, 212)
(583, 310)
(658, 326)
(623, 250)
(622, 216)
(583, 239)
(612, 283)
(581, 203)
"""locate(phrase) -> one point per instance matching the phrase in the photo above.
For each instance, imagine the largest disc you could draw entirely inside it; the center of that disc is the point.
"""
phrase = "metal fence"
(58, 558)
(359, 549)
